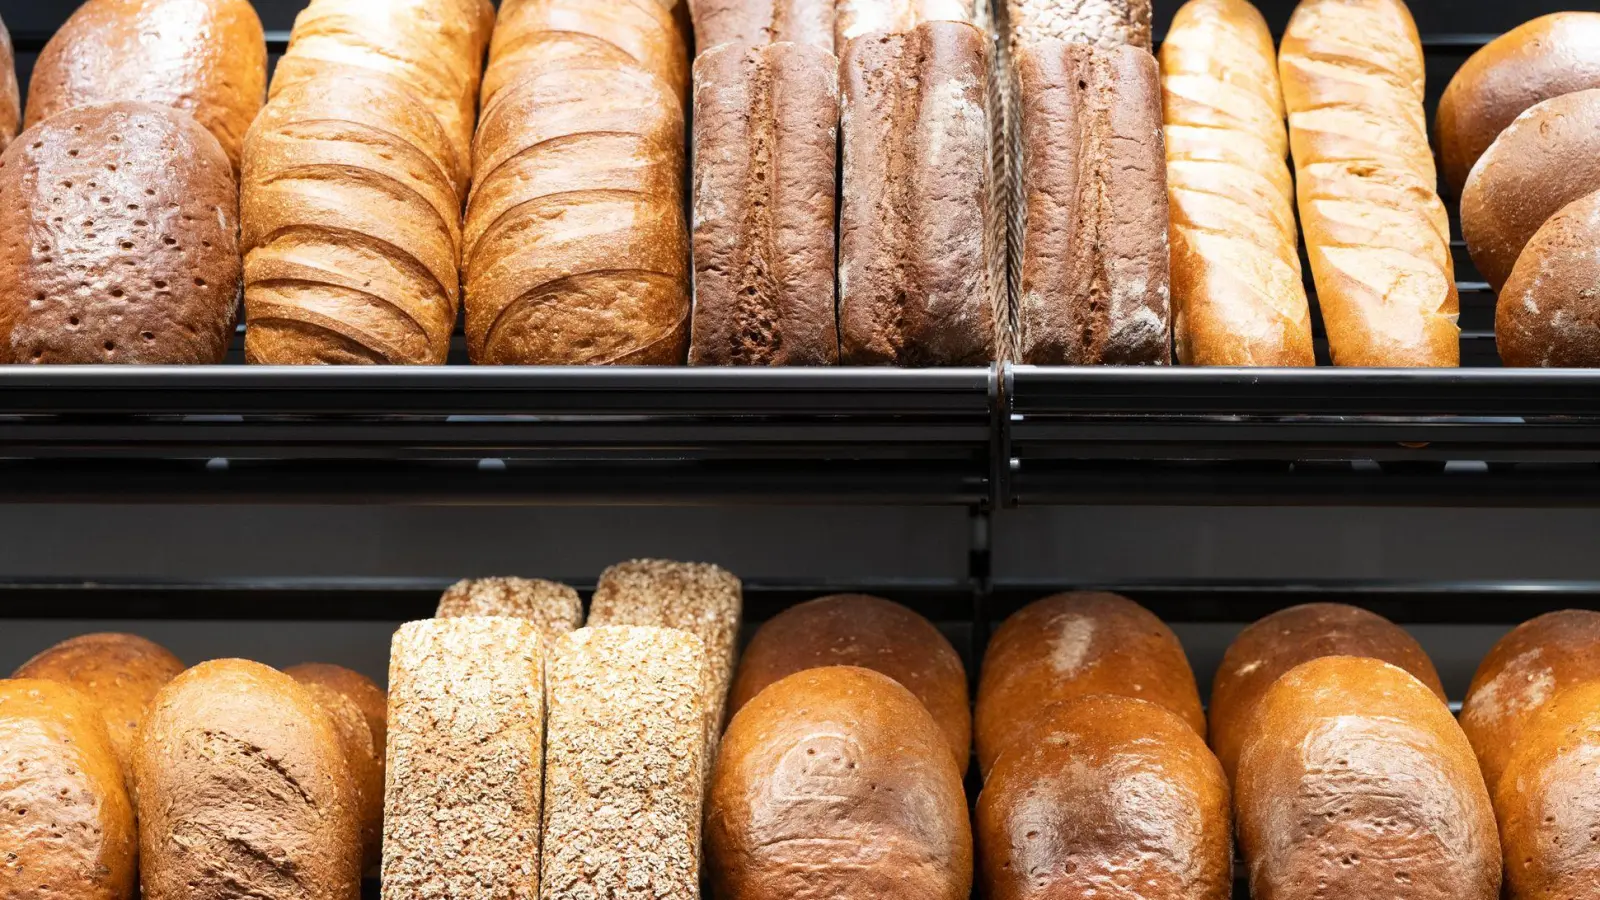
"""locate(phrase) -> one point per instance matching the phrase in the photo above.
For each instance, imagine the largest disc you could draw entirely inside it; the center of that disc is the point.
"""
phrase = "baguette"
(1238, 292)
(718, 22)
(1376, 231)
(554, 609)
(536, 35)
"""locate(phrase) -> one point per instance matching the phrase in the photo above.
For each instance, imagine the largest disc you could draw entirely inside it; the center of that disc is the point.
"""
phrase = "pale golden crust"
(554, 609)
(643, 31)
(1547, 803)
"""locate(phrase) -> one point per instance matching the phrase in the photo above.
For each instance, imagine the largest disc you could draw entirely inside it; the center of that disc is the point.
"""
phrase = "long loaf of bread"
(1238, 293)
(1104, 23)
(531, 35)
(718, 22)
(1376, 231)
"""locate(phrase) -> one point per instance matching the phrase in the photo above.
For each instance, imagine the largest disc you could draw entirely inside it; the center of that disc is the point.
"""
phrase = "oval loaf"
(1548, 807)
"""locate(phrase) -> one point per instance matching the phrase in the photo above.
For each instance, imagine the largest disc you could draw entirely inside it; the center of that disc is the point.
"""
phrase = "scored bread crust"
(541, 33)
(718, 22)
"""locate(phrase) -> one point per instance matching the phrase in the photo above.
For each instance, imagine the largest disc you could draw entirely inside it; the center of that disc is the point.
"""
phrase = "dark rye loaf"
(718, 22)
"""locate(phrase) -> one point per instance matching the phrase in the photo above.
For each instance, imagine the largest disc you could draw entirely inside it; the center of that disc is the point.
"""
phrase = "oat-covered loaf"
(66, 824)
(554, 609)
(811, 22)
(1103, 23)
(766, 127)
(1549, 310)
(624, 766)
(118, 240)
(1548, 808)
(244, 791)
(922, 247)
(205, 57)
(10, 93)
(359, 711)
(533, 35)
(466, 761)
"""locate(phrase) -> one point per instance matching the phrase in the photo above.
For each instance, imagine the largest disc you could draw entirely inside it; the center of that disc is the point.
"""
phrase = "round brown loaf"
(1547, 158)
(1548, 807)
(66, 825)
(1547, 57)
(1287, 638)
(1549, 309)
(205, 57)
(244, 791)
(1118, 795)
(837, 782)
(1071, 645)
(120, 673)
(360, 713)
(1521, 675)
(120, 245)
(1355, 781)
(870, 632)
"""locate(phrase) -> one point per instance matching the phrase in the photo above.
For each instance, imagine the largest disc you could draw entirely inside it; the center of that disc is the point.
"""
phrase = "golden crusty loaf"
(922, 247)
(1547, 804)
(205, 57)
(870, 632)
(766, 128)
(124, 223)
(1070, 645)
(532, 35)
(1355, 781)
(1277, 643)
(244, 791)
(718, 22)
(1238, 294)
(1095, 285)
(1548, 314)
(1547, 158)
(1375, 229)
(66, 825)
(1521, 676)
(10, 94)
(554, 609)
(1116, 794)
(625, 765)
(359, 710)
(466, 760)
(1544, 58)
(837, 783)
(1104, 23)
(120, 673)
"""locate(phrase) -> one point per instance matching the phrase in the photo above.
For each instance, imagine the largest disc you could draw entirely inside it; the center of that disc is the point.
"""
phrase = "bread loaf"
(1547, 57)
(1547, 315)
(244, 791)
(1117, 796)
(718, 22)
(625, 770)
(205, 57)
(1540, 163)
(121, 224)
(535, 35)
(1238, 294)
(1070, 645)
(554, 609)
(1521, 676)
(1263, 652)
(765, 149)
(872, 633)
(1095, 277)
(858, 17)
(921, 252)
(1104, 23)
(1376, 232)
(836, 782)
(1355, 781)
(10, 94)
(466, 761)
(359, 710)
(1548, 809)
(119, 673)
(66, 826)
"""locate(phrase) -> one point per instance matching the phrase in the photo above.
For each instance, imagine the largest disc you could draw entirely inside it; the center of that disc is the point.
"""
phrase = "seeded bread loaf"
(244, 791)
(205, 57)
(121, 240)
(1547, 804)
(1103, 23)
(1548, 314)
(66, 825)
(10, 94)
(718, 22)
(625, 766)
(554, 609)
(466, 761)
(765, 150)
(359, 711)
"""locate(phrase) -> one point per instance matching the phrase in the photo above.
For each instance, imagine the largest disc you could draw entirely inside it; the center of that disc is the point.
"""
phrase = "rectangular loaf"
(1095, 282)
(465, 761)
(1104, 23)
(625, 766)
(922, 247)
(553, 608)
(718, 22)
(766, 129)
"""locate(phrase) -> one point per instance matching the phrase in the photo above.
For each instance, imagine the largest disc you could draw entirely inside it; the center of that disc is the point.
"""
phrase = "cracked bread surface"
(552, 607)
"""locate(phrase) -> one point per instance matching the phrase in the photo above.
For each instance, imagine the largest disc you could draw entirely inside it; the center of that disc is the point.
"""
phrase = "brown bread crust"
(546, 33)
(1116, 795)
(1102, 23)
(1071, 645)
(872, 633)
(10, 93)
(1355, 781)
(920, 270)
(244, 791)
(66, 825)
(766, 149)
(360, 713)
(1547, 803)
(832, 783)
(1095, 271)
(854, 18)
(553, 608)
(212, 62)
(1277, 643)
(133, 216)
(1549, 311)
(1544, 58)
(718, 22)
